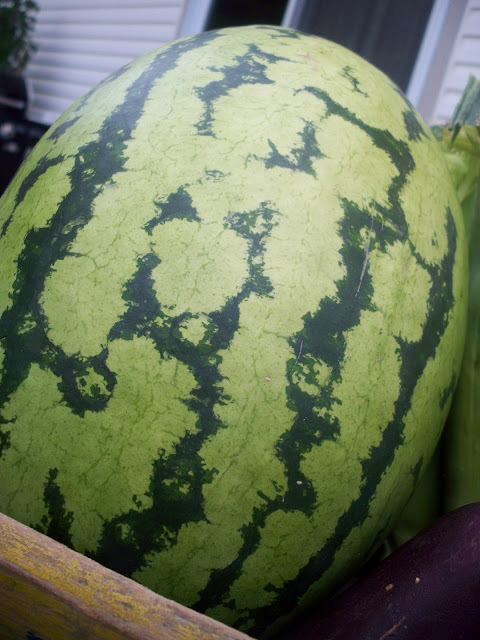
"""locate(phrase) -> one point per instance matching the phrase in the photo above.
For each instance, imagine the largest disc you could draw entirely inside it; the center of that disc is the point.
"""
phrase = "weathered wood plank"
(48, 592)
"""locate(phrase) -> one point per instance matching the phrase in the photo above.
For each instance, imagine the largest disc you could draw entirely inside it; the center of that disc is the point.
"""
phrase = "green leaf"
(467, 112)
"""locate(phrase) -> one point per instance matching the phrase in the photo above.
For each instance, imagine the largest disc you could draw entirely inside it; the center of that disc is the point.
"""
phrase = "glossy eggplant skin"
(428, 589)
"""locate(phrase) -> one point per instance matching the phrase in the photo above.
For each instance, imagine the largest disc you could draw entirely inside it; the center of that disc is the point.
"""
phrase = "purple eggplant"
(428, 589)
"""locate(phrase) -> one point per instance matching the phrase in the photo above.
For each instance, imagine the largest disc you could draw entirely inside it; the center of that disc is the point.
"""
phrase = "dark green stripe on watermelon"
(43, 165)
(413, 126)
(60, 129)
(415, 129)
(58, 521)
(347, 73)
(448, 391)
(248, 70)
(178, 206)
(302, 156)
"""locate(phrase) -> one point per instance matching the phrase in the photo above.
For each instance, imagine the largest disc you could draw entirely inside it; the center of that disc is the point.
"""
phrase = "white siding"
(464, 59)
(79, 42)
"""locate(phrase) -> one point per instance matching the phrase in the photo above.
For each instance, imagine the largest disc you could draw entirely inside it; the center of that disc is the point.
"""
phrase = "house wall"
(463, 61)
(450, 51)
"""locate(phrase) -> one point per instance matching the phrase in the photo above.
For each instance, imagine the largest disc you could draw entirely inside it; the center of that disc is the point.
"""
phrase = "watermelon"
(232, 297)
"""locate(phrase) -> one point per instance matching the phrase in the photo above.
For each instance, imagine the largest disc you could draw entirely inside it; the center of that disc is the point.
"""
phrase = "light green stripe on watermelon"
(232, 329)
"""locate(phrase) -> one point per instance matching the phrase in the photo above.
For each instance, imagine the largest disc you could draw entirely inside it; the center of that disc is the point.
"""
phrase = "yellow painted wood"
(48, 592)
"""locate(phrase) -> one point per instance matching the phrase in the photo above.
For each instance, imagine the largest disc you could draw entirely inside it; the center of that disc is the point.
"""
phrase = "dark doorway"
(235, 13)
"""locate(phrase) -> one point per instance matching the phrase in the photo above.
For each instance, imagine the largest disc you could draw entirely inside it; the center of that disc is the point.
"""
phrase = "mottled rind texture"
(232, 298)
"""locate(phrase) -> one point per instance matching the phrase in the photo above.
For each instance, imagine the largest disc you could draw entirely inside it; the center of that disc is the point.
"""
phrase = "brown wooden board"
(48, 592)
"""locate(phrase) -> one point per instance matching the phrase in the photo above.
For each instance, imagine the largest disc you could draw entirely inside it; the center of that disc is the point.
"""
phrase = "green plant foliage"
(17, 21)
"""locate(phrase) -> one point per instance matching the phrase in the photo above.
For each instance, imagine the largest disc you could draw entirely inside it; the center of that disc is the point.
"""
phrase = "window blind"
(79, 42)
